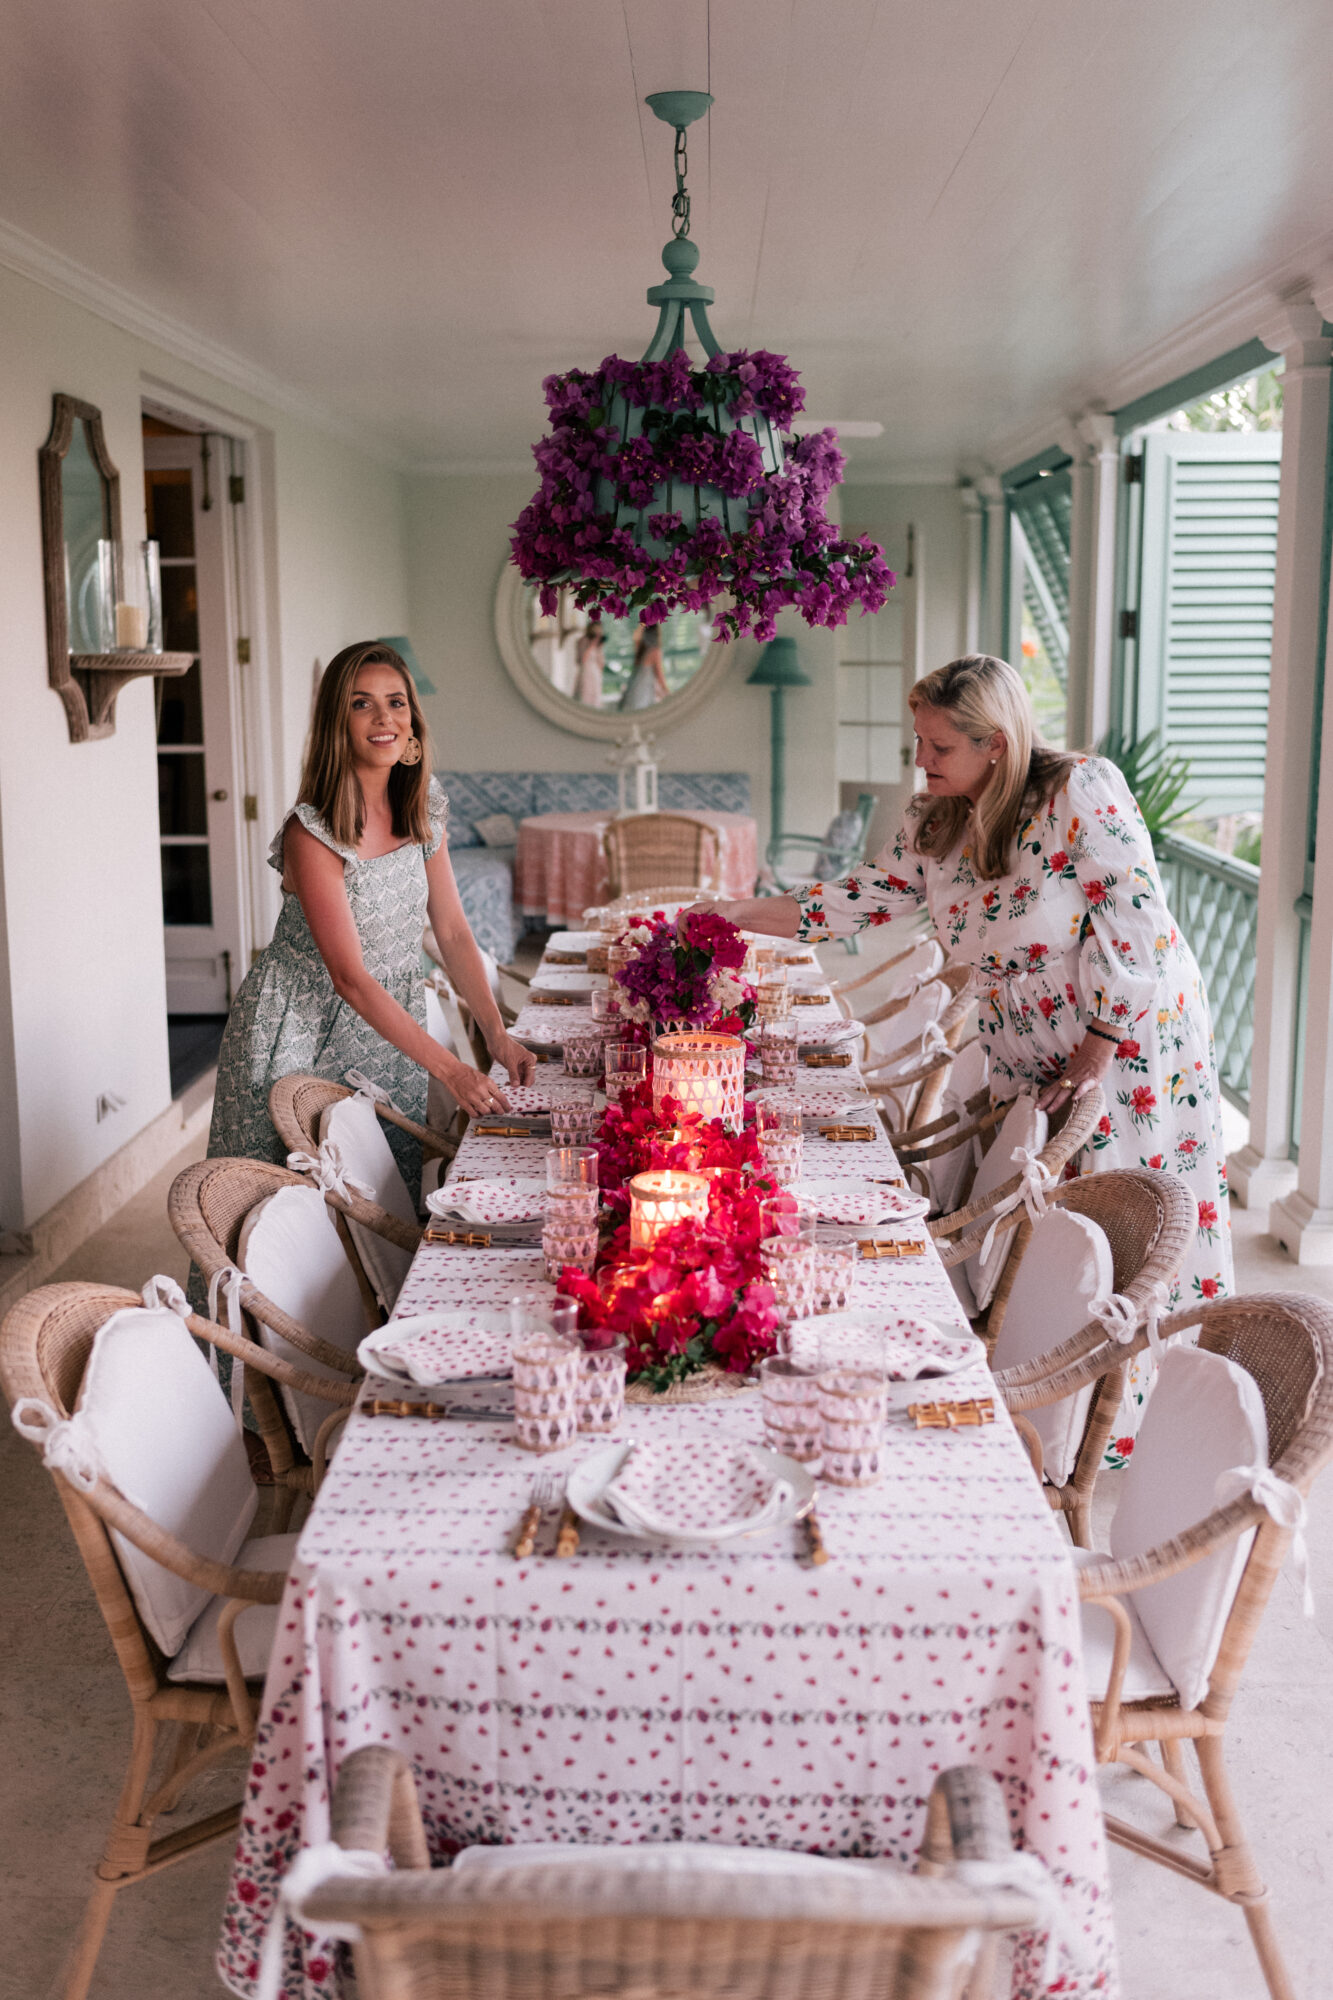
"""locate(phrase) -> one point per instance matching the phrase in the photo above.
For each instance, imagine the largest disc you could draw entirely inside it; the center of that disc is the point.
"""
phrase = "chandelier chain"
(680, 204)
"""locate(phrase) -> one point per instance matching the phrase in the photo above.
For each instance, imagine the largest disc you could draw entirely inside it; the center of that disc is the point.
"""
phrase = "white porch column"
(1094, 475)
(973, 568)
(992, 636)
(1263, 1168)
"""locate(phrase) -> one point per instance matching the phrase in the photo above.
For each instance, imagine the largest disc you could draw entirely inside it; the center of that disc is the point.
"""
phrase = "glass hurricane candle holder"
(703, 1072)
(661, 1198)
(626, 1066)
(130, 590)
(777, 1052)
(789, 1393)
(574, 1117)
(601, 1390)
(853, 1407)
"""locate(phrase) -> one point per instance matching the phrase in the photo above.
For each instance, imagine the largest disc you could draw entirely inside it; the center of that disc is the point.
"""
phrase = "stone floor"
(64, 1739)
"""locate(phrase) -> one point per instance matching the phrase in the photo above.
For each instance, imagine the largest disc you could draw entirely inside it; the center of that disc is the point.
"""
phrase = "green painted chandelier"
(666, 486)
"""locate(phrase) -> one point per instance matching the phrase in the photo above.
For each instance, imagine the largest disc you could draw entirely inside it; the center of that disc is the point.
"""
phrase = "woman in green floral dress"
(364, 863)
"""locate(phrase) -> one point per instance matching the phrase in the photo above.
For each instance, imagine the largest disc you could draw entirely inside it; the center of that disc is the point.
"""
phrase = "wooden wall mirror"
(88, 592)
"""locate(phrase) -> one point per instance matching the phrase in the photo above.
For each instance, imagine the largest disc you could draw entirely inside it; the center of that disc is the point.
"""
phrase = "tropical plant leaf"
(1156, 775)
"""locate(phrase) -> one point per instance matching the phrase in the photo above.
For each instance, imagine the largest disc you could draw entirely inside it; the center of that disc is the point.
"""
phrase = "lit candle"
(703, 1072)
(657, 1200)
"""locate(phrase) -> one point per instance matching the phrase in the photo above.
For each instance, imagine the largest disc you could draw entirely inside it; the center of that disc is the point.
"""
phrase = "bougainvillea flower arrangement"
(667, 485)
(697, 1295)
(687, 972)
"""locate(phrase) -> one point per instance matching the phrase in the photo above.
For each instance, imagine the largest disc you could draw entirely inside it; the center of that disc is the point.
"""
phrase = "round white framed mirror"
(598, 679)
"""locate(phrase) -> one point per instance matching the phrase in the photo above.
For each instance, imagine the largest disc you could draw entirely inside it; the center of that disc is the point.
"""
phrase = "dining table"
(637, 1692)
(560, 866)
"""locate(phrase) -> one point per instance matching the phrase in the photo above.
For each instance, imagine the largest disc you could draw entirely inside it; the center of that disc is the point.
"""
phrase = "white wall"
(458, 544)
(82, 988)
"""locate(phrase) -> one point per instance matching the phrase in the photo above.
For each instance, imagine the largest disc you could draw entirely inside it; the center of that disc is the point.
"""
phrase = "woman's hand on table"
(1085, 1067)
(476, 1093)
(520, 1063)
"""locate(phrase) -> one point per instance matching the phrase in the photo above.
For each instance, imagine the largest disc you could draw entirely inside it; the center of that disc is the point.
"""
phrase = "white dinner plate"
(593, 1474)
(482, 1349)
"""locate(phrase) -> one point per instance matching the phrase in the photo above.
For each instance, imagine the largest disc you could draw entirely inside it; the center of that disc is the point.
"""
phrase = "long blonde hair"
(328, 778)
(980, 695)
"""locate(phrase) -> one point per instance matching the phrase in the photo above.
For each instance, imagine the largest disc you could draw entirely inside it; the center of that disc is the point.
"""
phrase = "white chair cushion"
(200, 1658)
(903, 1031)
(1024, 1125)
(949, 1175)
(1066, 1266)
(166, 1438)
(1145, 1676)
(676, 1857)
(1204, 1416)
(289, 1248)
(354, 1126)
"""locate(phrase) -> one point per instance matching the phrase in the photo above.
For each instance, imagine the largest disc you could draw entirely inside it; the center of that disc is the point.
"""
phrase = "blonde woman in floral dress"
(1038, 871)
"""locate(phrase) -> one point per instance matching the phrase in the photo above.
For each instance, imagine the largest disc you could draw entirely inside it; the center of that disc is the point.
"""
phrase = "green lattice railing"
(1215, 901)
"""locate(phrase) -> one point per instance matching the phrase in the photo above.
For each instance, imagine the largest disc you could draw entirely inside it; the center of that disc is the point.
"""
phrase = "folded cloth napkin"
(867, 1207)
(706, 1491)
(472, 1342)
(830, 1100)
(817, 1033)
(905, 1347)
(512, 1199)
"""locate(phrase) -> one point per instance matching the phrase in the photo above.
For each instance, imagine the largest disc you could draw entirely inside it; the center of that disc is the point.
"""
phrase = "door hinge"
(1129, 624)
(243, 652)
(251, 806)
(1134, 469)
(236, 489)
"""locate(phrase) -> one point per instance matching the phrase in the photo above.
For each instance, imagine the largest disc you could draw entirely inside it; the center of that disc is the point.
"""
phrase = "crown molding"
(1257, 310)
(37, 261)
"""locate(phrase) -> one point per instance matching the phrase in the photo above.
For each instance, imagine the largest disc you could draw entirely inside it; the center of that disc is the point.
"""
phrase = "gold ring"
(1065, 1084)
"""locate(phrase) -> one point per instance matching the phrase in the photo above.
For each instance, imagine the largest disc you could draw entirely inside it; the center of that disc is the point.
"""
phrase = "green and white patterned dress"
(287, 1018)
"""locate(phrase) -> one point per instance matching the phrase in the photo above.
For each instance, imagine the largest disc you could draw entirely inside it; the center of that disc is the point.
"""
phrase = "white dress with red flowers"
(1077, 931)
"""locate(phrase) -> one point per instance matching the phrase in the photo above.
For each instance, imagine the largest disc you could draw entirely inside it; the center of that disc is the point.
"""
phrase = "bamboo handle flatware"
(567, 1538)
(952, 1416)
(843, 1061)
(814, 1536)
(395, 1406)
(545, 1488)
(849, 1134)
(873, 1246)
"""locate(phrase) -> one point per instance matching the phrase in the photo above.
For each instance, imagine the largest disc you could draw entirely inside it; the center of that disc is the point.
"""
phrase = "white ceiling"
(959, 217)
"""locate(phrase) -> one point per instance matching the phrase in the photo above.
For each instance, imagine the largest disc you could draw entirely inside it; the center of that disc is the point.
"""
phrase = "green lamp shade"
(402, 645)
(779, 667)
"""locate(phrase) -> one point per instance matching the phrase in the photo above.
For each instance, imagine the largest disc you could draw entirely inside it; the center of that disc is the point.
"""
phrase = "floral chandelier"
(667, 487)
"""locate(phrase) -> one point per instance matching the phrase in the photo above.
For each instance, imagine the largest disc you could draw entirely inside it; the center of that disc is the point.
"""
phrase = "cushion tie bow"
(328, 1171)
(311, 1870)
(229, 1281)
(1034, 1177)
(1025, 1874)
(365, 1086)
(160, 1291)
(66, 1443)
(1283, 1503)
(1122, 1317)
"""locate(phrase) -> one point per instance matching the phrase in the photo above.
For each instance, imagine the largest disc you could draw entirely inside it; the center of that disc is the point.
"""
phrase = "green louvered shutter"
(1205, 615)
(1042, 508)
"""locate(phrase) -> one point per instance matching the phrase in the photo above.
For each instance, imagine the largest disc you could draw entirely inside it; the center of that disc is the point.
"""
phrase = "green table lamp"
(778, 668)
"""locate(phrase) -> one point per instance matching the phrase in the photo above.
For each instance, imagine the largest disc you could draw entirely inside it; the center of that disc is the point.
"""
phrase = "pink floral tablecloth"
(634, 1694)
(560, 870)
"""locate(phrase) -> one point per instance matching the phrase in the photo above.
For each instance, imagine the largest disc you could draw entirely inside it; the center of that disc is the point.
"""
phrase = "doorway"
(191, 483)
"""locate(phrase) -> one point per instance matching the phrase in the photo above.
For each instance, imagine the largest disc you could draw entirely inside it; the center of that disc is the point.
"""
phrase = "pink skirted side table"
(560, 870)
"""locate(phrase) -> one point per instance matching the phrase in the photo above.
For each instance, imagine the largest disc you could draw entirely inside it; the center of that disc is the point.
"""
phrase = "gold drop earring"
(411, 752)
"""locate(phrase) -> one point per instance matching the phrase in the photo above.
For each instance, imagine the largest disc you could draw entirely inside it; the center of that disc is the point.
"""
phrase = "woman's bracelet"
(1101, 1033)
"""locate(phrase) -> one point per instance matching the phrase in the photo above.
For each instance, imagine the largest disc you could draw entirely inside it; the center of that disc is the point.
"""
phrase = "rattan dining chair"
(296, 1103)
(1284, 1342)
(899, 971)
(961, 1233)
(688, 1919)
(45, 1343)
(645, 848)
(1149, 1219)
(911, 1081)
(208, 1206)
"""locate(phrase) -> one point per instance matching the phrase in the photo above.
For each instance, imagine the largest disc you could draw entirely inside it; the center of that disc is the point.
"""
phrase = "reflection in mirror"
(615, 665)
(86, 505)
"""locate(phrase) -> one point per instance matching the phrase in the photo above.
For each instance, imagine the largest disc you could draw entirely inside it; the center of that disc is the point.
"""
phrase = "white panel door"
(200, 772)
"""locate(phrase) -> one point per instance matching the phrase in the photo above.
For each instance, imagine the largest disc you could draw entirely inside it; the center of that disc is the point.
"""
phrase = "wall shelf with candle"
(103, 600)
